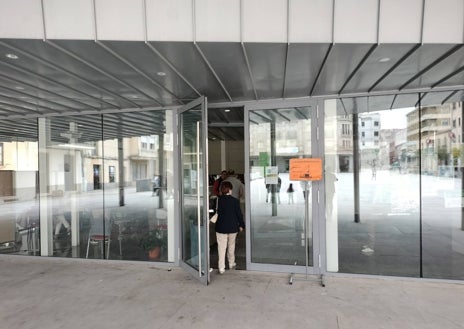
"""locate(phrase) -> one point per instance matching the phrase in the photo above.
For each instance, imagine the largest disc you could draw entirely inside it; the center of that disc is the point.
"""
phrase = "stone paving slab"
(52, 293)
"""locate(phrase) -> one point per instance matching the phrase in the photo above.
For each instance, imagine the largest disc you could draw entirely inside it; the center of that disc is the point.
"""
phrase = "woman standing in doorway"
(229, 223)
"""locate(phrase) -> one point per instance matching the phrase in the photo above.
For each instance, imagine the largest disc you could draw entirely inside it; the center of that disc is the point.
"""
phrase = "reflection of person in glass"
(229, 223)
(330, 189)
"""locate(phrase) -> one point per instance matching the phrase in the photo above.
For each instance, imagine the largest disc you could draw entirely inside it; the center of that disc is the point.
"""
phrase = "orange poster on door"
(306, 169)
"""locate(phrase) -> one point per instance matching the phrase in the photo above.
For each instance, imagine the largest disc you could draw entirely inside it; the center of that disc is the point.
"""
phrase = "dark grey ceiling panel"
(442, 69)
(434, 98)
(380, 103)
(189, 63)
(414, 64)
(229, 63)
(405, 100)
(342, 61)
(355, 105)
(267, 62)
(380, 61)
(303, 64)
(111, 73)
(61, 72)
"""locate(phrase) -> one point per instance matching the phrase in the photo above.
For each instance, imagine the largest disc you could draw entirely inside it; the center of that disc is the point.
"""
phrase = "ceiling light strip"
(224, 89)
(172, 67)
(431, 65)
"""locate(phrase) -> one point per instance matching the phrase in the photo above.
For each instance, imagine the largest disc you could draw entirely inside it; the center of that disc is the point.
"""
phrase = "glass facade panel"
(277, 205)
(372, 189)
(442, 186)
(19, 204)
(82, 186)
(393, 186)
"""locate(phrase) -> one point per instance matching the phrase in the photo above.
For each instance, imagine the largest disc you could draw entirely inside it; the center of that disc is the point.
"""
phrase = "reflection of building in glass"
(435, 138)
(369, 139)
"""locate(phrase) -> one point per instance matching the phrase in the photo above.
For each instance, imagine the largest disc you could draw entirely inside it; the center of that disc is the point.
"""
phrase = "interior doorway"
(226, 152)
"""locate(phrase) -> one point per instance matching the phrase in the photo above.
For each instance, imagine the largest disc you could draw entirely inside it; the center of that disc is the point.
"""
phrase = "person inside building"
(217, 183)
(229, 223)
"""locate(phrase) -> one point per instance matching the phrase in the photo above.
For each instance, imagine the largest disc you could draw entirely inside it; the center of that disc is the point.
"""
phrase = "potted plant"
(155, 244)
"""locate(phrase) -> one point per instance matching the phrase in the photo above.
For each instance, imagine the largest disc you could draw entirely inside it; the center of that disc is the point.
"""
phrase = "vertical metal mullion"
(420, 187)
(198, 199)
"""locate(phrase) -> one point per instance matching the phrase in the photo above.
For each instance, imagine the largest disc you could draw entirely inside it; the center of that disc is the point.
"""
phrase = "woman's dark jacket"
(230, 217)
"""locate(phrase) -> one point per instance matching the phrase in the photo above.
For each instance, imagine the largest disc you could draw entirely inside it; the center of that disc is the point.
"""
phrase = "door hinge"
(317, 133)
(317, 111)
(317, 196)
(319, 260)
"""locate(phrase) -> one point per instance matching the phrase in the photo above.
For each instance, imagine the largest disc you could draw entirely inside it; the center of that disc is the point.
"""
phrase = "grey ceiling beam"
(449, 76)
(101, 71)
(213, 72)
(137, 70)
(297, 109)
(30, 86)
(245, 56)
(29, 104)
(327, 54)
(360, 64)
(285, 71)
(53, 66)
(51, 81)
(393, 102)
(171, 66)
(431, 65)
(276, 111)
(15, 109)
(449, 96)
(265, 118)
(38, 98)
(395, 66)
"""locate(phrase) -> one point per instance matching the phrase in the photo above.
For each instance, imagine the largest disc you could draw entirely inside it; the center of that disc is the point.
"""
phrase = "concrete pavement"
(38, 292)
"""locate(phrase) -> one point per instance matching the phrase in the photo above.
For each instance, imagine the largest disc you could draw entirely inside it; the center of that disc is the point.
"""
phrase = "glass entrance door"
(283, 220)
(193, 189)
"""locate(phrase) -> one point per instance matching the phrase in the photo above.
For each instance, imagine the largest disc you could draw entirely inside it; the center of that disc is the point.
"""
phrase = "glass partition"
(19, 187)
(393, 182)
(279, 233)
(90, 186)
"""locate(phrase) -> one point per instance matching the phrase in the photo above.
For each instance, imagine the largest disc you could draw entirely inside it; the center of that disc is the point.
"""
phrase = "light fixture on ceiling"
(161, 74)
(227, 110)
(19, 88)
(12, 56)
(384, 59)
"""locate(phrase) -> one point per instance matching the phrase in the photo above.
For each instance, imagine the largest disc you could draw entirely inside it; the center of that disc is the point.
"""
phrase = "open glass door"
(193, 188)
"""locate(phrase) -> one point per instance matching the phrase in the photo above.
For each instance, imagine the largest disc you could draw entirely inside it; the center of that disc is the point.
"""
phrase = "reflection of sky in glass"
(394, 119)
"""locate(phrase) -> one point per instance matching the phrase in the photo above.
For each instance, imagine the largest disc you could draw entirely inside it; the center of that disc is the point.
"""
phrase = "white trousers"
(226, 242)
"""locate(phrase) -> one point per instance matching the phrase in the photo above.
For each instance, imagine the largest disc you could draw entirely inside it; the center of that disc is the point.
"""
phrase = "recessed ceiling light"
(161, 74)
(134, 96)
(384, 59)
(227, 110)
(12, 56)
(19, 88)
